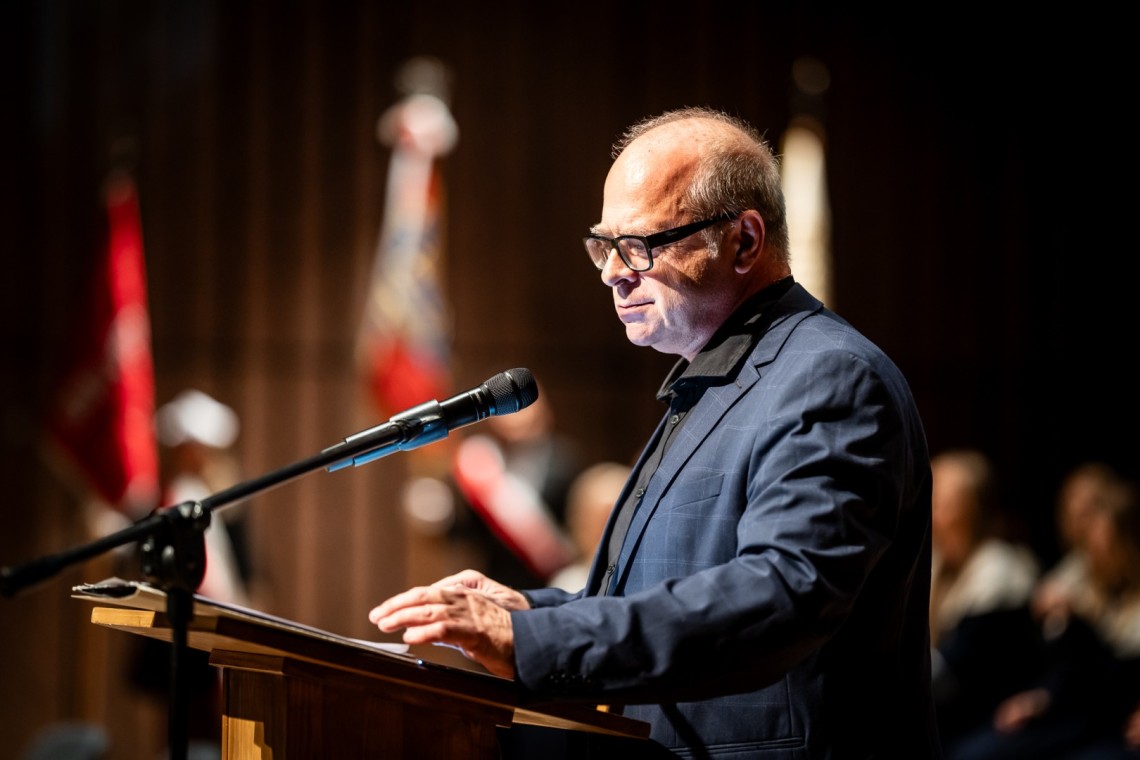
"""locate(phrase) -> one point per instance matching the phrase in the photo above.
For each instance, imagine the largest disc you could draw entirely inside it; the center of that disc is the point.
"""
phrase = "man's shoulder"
(814, 340)
(802, 327)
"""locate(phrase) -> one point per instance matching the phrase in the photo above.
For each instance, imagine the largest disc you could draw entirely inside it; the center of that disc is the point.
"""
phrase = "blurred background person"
(1084, 702)
(591, 498)
(503, 497)
(982, 632)
(197, 433)
(1082, 492)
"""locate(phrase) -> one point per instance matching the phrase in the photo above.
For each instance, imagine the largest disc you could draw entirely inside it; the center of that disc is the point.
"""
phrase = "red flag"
(102, 419)
(402, 345)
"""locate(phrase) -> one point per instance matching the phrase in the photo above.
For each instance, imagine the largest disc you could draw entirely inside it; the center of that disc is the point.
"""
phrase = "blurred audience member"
(588, 505)
(504, 495)
(197, 433)
(981, 630)
(1083, 489)
(1085, 703)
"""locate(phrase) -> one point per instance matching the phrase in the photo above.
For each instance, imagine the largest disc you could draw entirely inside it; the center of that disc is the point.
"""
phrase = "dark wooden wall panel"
(956, 231)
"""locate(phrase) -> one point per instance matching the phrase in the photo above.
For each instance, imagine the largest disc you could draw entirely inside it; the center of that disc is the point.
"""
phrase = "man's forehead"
(649, 176)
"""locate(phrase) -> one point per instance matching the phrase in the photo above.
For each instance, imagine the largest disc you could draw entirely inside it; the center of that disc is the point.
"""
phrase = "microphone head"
(511, 391)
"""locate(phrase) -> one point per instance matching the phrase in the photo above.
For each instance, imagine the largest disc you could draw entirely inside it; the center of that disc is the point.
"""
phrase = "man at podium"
(762, 586)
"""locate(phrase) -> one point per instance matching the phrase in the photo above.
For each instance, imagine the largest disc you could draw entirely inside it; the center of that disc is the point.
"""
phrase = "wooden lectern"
(290, 691)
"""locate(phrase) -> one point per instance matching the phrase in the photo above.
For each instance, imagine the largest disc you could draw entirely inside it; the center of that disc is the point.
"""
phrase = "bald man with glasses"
(762, 586)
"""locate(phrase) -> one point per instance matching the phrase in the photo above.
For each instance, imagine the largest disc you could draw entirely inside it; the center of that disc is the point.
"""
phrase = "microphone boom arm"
(431, 421)
(408, 430)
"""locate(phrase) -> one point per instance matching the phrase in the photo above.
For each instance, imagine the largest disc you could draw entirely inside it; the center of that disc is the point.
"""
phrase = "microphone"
(505, 393)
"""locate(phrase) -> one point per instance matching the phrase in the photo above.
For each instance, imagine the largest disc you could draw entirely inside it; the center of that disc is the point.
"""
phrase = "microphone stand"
(173, 548)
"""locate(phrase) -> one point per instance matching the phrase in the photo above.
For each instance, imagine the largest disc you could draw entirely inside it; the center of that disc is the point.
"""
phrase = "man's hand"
(467, 610)
(1016, 711)
(504, 596)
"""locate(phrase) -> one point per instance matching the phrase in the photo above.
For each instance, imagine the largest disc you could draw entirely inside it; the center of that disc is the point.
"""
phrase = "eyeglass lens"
(631, 250)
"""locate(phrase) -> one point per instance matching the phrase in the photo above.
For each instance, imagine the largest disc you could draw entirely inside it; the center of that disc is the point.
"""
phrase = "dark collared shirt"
(715, 364)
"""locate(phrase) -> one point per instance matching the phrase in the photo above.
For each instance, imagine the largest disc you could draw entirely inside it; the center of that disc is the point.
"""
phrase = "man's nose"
(615, 269)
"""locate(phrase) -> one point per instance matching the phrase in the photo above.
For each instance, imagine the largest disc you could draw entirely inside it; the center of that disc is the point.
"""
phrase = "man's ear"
(748, 241)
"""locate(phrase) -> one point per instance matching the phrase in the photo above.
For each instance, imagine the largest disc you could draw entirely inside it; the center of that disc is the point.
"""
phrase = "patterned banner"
(402, 348)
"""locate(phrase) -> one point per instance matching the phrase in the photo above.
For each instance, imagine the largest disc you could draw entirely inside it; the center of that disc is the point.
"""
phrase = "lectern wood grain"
(291, 692)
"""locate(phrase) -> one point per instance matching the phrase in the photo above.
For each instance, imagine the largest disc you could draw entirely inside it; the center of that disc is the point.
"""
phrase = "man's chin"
(644, 339)
(636, 335)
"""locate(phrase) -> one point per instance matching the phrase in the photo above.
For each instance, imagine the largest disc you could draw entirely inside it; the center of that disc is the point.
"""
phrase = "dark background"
(980, 187)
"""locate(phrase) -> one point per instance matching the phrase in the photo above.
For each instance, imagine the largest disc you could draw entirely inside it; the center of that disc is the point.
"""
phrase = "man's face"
(678, 304)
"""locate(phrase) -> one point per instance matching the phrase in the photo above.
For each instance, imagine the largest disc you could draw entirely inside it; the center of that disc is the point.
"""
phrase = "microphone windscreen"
(512, 390)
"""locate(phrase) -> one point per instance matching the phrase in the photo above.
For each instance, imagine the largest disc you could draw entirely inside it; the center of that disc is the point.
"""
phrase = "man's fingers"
(452, 613)
(410, 598)
(434, 633)
(406, 617)
(467, 578)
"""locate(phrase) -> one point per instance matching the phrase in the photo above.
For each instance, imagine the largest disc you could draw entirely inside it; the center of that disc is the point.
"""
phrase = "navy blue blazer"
(773, 588)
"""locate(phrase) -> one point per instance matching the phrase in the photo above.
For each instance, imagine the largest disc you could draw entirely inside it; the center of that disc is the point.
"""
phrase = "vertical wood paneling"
(313, 534)
(361, 183)
(262, 187)
(203, 95)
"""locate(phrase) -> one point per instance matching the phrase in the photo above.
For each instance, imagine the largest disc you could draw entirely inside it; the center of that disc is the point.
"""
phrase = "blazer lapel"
(796, 305)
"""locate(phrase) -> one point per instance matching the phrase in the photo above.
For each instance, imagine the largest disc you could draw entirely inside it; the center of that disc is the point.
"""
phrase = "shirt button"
(640, 493)
(674, 419)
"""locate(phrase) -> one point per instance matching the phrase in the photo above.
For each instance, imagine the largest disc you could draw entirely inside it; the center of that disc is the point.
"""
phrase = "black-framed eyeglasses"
(636, 251)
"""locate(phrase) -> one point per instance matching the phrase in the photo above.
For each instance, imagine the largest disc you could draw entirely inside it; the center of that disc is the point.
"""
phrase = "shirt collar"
(717, 361)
